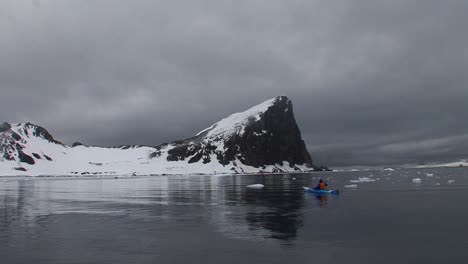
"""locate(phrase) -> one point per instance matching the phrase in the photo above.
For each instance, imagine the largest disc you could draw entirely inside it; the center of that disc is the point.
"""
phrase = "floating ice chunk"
(417, 180)
(294, 179)
(450, 181)
(351, 186)
(389, 169)
(363, 179)
(429, 174)
(255, 186)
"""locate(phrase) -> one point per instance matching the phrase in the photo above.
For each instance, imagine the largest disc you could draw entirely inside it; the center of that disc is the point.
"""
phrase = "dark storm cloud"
(372, 82)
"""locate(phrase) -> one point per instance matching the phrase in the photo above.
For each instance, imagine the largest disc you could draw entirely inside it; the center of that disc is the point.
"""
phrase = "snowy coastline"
(230, 146)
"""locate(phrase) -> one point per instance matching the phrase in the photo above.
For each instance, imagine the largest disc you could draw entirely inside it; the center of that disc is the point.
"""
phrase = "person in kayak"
(321, 185)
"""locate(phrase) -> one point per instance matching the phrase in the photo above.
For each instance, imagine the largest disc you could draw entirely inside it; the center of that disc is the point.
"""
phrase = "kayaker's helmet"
(320, 180)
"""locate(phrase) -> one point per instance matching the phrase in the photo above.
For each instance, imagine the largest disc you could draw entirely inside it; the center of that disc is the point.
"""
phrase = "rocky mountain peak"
(26, 130)
(235, 124)
(266, 134)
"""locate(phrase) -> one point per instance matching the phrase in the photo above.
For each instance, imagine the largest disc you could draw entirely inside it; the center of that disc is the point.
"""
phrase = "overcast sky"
(372, 82)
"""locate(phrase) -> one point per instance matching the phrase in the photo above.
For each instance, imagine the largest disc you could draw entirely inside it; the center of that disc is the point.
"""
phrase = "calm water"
(215, 219)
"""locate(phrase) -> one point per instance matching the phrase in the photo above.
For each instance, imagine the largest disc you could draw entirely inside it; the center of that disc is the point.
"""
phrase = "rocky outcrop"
(265, 135)
(76, 144)
(37, 131)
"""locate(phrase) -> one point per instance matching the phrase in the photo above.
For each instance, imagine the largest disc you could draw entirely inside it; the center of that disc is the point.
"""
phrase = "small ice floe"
(363, 179)
(294, 179)
(389, 169)
(353, 186)
(417, 180)
(255, 186)
(450, 181)
(429, 175)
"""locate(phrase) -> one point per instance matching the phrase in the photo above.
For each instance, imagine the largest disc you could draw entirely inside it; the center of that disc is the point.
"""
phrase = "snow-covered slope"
(236, 123)
(264, 138)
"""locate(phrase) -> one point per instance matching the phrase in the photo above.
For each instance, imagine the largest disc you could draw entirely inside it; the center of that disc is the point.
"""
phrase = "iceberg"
(255, 186)
(417, 180)
(363, 179)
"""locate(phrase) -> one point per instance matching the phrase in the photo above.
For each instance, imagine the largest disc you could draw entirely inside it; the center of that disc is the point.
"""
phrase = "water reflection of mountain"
(20, 211)
(272, 212)
(21, 202)
(238, 212)
(221, 201)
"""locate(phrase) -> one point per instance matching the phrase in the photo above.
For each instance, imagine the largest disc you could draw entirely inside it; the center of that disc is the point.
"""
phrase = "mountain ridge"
(264, 138)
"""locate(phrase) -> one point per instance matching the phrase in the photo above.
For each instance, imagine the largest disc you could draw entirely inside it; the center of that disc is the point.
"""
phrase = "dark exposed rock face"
(269, 140)
(23, 157)
(281, 142)
(76, 144)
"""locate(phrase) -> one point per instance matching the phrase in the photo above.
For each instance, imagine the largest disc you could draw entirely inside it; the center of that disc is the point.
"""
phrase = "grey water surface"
(216, 219)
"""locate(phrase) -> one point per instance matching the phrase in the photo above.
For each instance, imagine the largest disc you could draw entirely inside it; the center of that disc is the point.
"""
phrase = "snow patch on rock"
(236, 123)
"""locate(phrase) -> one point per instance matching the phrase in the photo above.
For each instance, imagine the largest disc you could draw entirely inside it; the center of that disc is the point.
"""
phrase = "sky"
(372, 82)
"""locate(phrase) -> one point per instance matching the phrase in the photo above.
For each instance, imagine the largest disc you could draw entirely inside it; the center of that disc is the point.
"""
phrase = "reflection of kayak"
(312, 190)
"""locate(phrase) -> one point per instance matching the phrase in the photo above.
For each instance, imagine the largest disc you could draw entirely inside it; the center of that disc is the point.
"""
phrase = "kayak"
(312, 190)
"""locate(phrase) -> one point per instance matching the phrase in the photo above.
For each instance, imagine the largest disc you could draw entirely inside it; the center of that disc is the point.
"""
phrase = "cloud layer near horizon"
(372, 82)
